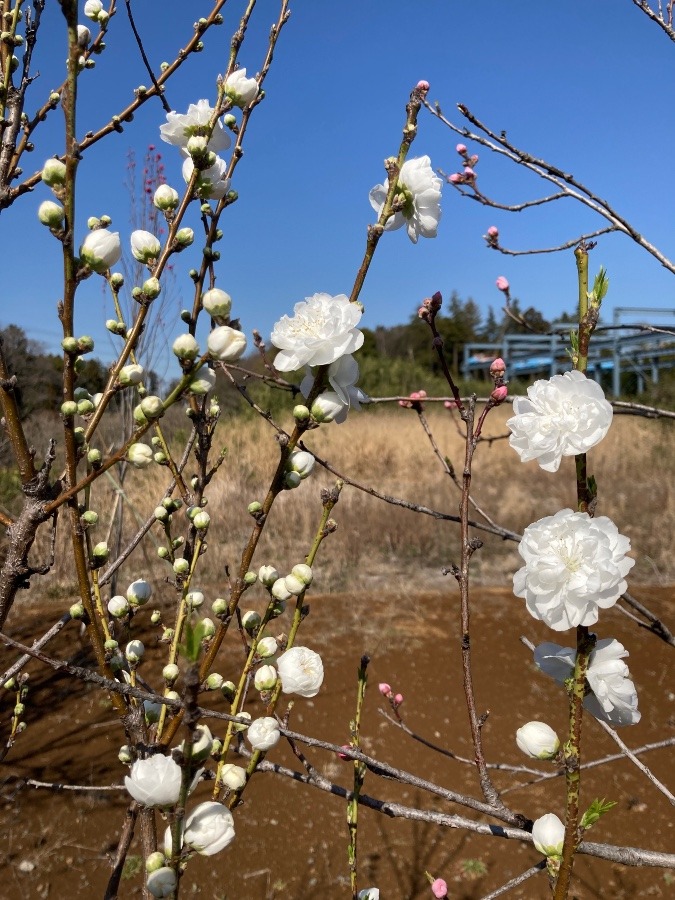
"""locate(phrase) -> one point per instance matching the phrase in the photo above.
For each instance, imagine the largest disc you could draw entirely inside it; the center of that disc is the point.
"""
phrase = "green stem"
(359, 775)
(581, 257)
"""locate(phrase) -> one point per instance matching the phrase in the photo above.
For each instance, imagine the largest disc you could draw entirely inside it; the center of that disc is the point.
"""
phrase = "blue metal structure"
(625, 347)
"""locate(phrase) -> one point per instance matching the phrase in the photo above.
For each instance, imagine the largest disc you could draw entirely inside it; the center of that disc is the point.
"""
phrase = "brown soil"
(291, 839)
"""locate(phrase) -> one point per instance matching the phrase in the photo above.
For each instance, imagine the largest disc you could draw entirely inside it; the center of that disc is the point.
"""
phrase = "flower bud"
(226, 344)
(155, 617)
(94, 458)
(54, 173)
(499, 394)
(125, 754)
(241, 90)
(502, 284)
(92, 9)
(170, 673)
(251, 621)
(186, 347)
(152, 407)
(548, 835)
(194, 599)
(294, 585)
(181, 566)
(265, 678)
(208, 628)
(217, 303)
(241, 715)
(267, 575)
(301, 462)
(118, 606)
(267, 647)
(166, 198)
(301, 413)
(139, 592)
(116, 281)
(69, 408)
(155, 861)
(51, 214)
(497, 368)
(101, 250)
(145, 247)
(184, 237)
(76, 610)
(254, 507)
(219, 607)
(538, 740)
(162, 882)
(83, 36)
(280, 591)
(202, 743)
(233, 777)
(303, 573)
(134, 651)
(89, 517)
(152, 288)
(139, 455)
(214, 681)
(100, 555)
(202, 520)
(131, 375)
(203, 382)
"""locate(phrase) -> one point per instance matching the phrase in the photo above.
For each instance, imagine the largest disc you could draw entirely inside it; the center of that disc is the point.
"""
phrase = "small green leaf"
(595, 810)
(193, 637)
(600, 288)
(592, 487)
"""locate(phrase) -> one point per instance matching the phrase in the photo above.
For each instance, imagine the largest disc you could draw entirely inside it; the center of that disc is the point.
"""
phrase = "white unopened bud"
(280, 591)
(251, 621)
(139, 592)
(219, 606)
(240, 89)
(186, 347)
(181, 566)
(139, 455)
(267, 575)
(226, 344)
(131, 375)
(83, 36)
(265, 678)
(184, 237)
(194, 599)
(134, 651)
(303, 573)
(166, 198)
(76, 610)
(267, 647)
(217, 303)
(145, 247)
(208, 628)
(538, 740)
(170, 673)
(152, 288)
(233, 777)
(203, 382)
(125, 754)
(294, 585)
(101, 249)
(242, 726)
(302, 462)
(92, 9)
(202, 520)
(118, 606)
(202, 742)
(214, 682)
(51, 214)
(54, 173)
(152, 407)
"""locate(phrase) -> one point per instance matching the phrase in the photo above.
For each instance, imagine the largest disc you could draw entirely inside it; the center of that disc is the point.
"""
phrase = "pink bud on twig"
(502, 284)
(461, 149)
(344, 756)
(398, 700)
(493, 231)
(439, 888)
(455, 178)
(423, 86)
(384, 688)
(469, 173)
(500, 393)
(497, 368)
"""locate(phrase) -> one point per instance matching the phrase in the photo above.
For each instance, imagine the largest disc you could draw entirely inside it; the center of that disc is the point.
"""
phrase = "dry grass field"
(378, 545)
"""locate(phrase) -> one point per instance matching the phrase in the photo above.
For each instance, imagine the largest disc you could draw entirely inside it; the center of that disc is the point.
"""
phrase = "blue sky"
(587, 86)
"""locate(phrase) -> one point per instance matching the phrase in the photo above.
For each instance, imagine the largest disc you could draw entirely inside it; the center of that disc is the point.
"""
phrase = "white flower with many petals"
(564, 416)
(240, 89)
(538, 740)
(334, 405)
(548, 835)
(212, 183)
(419, 189)
(574, 566)
(321, 330)
(301, 672)
(180, 127)
(154, 781)
(263, 733)
(613, 697)
(208, 829)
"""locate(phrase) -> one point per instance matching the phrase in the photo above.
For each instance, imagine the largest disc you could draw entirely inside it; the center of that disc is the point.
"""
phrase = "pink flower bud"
(384, 688)
(499, 394)
(398, 699)
(415, 395)
(403, 403)
(473, 159)
(423, 86)
(342, 755)
(439, 888)
(469, 172)
(422, 395)
(461, 149)
(423, 312)
(493, 231)
(454, 178)
(502, 284)
(498, 367)
(449, 404)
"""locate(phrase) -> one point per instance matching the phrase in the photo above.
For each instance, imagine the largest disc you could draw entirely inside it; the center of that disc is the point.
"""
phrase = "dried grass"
(379, 547)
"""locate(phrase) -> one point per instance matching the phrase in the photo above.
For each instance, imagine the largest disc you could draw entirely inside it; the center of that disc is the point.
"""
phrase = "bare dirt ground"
(291, 839)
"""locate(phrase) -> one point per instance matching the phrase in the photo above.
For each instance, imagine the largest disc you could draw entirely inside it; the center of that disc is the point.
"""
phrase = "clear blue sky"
(587, 86)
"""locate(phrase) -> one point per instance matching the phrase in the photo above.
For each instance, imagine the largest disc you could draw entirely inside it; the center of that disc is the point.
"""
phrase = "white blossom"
(226, 344)
(207, 830)
(564, 416)
(233, 777)
(301, 671)
(334, 405)
(267, 575)
(154, 781)
(240, 89)
(140, 455)
(321, 330)
(301, 462)
(212, 183)
(613, 697)
(144, 245)
(180, 127)
(118, 606)
(548, 835)
(263, 733)
(131, 374)
(538, 740)
(92, 8)
(574, 566)
(419, 190)
(101, 249)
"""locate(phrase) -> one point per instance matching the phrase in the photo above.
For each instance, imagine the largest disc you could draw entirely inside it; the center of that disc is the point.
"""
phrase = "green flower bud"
(69, 408)
(51, 214)
(54, 173)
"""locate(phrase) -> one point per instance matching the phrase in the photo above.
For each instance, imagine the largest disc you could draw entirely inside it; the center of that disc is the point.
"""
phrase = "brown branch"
(146, 62)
